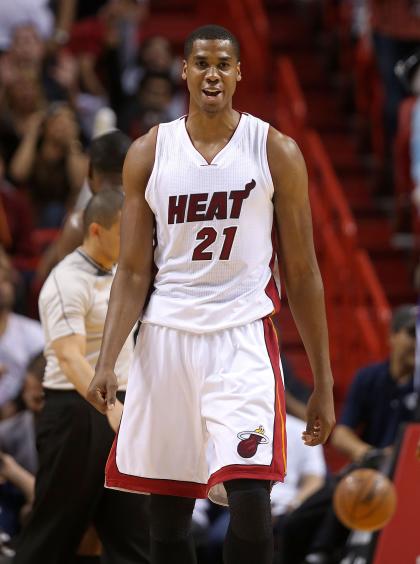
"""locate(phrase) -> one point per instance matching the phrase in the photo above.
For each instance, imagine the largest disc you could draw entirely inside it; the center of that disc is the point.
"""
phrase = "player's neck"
(208, 127)
(91, 249)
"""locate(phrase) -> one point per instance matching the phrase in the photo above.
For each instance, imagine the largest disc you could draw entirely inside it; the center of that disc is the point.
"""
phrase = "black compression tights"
(249, 539)
(170, 524)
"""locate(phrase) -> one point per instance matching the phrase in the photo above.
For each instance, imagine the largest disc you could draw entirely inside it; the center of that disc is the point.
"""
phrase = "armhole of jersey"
(148, 193)
(264, 160)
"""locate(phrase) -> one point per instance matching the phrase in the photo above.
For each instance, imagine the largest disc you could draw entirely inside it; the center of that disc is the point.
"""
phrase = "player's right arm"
(134, 273)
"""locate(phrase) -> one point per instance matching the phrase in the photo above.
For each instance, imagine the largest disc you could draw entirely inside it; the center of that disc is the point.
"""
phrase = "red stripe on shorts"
(274, 472)
(279, 439)
(115, 479)
(277, 469)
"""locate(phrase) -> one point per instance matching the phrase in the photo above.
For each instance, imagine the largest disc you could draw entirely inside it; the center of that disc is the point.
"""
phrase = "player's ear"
(238, 70)
(184, 70)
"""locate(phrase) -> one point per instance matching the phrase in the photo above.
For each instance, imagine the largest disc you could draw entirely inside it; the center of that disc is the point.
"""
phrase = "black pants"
(73, 441)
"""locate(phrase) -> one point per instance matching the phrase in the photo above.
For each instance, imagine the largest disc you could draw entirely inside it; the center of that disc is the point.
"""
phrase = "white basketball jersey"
(214, 222)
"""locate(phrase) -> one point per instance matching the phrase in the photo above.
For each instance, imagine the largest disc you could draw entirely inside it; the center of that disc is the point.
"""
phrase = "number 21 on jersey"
(207, 236)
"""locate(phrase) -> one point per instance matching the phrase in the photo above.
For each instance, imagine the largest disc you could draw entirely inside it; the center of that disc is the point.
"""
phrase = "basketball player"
(106, 158)
(73, 439)
(205, 402)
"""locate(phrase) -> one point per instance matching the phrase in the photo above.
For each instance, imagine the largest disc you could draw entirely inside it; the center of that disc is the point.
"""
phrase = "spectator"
(20, 339)
(381, 396)
(50, 160)
(107, 154)
(18, 216)
(380, 399)
(17, 433)
(18, 457)
(23, 100)
(409, 73)
(156, 56)
(104, 39)
(71, 12)
(151, 105)
(396, 34)
(28, 54)
(13, 14)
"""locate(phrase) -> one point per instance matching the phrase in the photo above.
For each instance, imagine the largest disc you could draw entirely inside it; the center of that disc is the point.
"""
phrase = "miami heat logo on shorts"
(249, 441)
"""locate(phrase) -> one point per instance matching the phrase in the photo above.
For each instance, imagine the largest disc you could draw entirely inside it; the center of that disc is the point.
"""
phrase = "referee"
(73, 438)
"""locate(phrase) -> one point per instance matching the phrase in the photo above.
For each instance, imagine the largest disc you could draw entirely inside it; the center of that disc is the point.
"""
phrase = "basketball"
(365, 500)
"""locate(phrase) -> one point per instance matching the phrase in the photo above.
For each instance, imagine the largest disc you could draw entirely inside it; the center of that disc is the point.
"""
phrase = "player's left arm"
(303, 281)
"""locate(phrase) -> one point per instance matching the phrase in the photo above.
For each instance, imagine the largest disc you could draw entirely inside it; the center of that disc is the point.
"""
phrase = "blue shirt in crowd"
(376, 405)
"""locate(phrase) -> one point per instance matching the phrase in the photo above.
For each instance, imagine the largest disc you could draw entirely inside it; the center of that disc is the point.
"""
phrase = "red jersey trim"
(271, 288)
(279, 463)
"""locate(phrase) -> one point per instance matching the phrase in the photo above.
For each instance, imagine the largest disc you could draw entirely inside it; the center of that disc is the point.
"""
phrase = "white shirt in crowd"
(301, 461)
(24, 12)
(74, 301)
(21, 341)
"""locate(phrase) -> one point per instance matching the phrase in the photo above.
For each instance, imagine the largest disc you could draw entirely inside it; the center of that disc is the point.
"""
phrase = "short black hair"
(211, 31)
(404, 319)
(159, 75)
(108, 151)
(103, 208)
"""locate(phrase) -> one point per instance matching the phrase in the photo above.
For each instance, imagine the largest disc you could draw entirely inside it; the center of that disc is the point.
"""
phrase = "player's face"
(212, 72)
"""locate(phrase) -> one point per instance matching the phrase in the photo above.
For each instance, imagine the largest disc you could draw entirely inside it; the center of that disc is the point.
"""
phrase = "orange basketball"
(365, 500)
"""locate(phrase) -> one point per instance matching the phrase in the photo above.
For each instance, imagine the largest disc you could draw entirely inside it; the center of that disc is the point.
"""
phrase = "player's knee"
(170, 517)
(250, 510)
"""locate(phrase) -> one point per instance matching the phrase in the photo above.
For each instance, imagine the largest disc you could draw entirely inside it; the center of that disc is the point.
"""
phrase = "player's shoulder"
(285, 160)
(281, 144)
(147, 142)
(141, 154)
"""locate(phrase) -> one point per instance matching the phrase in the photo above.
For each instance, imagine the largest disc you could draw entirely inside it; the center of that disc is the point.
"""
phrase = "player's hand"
(320, 416)
(102, 391)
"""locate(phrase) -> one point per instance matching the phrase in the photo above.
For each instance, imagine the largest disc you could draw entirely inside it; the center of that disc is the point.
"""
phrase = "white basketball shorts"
(201, 409)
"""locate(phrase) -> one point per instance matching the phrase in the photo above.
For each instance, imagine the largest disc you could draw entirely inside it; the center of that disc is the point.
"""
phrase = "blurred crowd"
(68, 71)
(385, 37)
